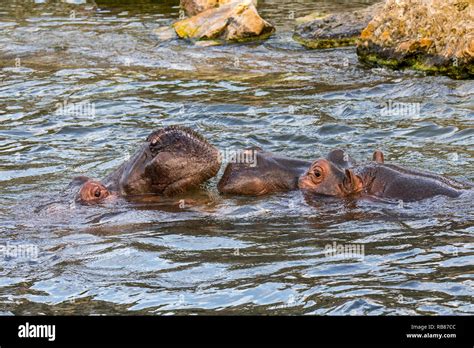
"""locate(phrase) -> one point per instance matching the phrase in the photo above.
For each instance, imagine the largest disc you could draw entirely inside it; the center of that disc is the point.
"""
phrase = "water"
(222, 255)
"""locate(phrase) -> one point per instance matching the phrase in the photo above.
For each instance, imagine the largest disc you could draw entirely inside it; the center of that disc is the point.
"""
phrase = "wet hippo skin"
(172, 160)
(376, 179)
(270, 173)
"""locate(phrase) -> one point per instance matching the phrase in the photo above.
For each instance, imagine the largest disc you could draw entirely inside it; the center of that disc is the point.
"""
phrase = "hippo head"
(171, 161)
(93, 192)
(326, 178)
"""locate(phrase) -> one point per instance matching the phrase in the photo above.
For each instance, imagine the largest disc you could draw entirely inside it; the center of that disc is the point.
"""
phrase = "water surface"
(229, 255)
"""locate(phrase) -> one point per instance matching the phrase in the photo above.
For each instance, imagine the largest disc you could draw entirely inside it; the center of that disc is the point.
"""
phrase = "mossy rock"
(325, 43)
(334, 30)
(420, 61)
(434, 37)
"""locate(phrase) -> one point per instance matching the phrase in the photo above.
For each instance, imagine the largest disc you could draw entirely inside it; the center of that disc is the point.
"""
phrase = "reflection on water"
(83, 82)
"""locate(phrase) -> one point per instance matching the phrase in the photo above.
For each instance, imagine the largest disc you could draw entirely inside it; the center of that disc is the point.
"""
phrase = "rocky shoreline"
(436, 37)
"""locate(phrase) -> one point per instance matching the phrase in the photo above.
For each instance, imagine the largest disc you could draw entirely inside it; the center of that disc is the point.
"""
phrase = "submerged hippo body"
(171, 161)
(376, 179)
(269, 173)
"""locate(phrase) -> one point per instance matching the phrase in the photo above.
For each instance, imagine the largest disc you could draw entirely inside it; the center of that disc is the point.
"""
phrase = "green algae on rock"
(234, 21)
(333, 30)
(434, 37)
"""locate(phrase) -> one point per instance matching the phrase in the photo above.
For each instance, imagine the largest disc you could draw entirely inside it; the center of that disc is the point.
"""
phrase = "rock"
(165, 33)
(311, 17)
(435, 36)
(193, 7)
(320, 30)
(235, 21)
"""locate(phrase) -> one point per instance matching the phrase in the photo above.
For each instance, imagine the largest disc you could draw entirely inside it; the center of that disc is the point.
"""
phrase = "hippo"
(171, 161)
(269, 173)
(376, 179)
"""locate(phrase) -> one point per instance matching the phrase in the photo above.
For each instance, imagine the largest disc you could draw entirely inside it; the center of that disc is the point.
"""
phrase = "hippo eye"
(317, 175)
(318, 172)
(97, 192)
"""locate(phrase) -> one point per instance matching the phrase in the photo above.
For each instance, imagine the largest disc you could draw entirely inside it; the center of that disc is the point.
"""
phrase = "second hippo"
(376, 179)
(269, 173)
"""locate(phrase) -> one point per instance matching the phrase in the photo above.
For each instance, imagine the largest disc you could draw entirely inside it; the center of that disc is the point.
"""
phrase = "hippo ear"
(378, 156)
(352, 182)
(78, 181)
